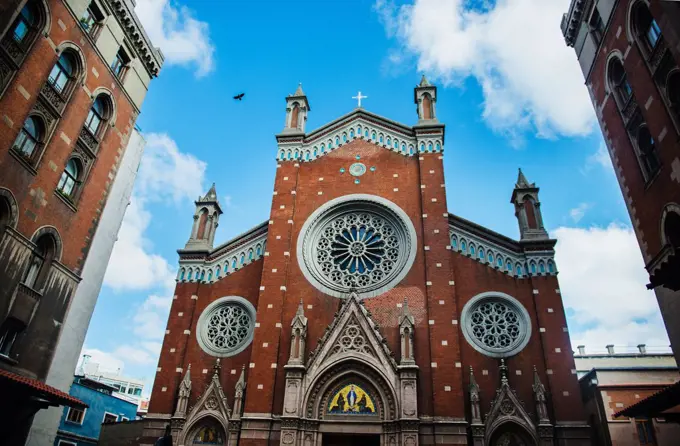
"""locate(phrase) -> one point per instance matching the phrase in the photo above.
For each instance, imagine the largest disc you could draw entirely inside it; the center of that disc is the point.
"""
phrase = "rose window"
(226, 326)
(362, 246)
(496, 324)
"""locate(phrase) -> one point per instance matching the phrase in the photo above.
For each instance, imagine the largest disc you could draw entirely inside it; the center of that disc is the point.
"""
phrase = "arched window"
(9, 331)
(203, 275)
(437, 147)
(233, 263)
(551, 267)
(429, 147)
(306, 156)
(454, 243)
(337, 141)
(29, 138)
(673, 92)
(381, 138)
(323, 148)
(190, 275)
(646, 30)
(427, 106)
(182, 274)
(250, 255)
(289, 154)
(481, 254)
(508, 266)
(499, 262)
(63, 72)
(463, 246)
(359, 130)
(489, 257)
(422, 147)
(243, 259)
(389, 141)
(403, 148)
(366, 133)
(530, 212)
(282, 155)
(294, 116)
(472, 249)
(40, 261)
(226, 268)
(618, 82)
(410, 150)
(297, 155)
(396, 143)
(541, 267)
(98, 114)
(649, 159)
(351, 133)
(218, 271)
(70, 178)
(259, 250)
(25, 22)
(518, 270)
(209, 275)
(344, 137)
(532, 267)
(373, 136)
(671, 229)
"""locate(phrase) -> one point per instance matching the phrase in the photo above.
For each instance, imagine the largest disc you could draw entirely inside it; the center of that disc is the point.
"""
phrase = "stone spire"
(474, 399)
(424, 82)
(239, 392)
(298, 336)
(528, 209)
(206, 220)
(406, 329)
(297, 108)
(183, 395)
(540, 398)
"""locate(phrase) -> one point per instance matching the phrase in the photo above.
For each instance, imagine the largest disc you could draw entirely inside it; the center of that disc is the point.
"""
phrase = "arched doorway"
(510, 434)
(206, 431)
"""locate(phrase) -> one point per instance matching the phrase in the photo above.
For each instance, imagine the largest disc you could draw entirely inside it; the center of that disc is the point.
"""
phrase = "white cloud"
(183, 39)
(579, 211)
(602, 280)
(530, 79)
(166, 175)
(107, 362)
(151, 318)
(227, 202)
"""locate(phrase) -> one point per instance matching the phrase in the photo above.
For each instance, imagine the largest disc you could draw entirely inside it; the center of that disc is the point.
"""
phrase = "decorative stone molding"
(359, 124)
(226, 327)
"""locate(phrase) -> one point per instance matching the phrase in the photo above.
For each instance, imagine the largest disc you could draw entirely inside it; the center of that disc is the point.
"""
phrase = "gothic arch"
(206, 418)
(335, 373)
(613, 54)
(630, 27)
(7, 196)
(52, 231)
(514, 426)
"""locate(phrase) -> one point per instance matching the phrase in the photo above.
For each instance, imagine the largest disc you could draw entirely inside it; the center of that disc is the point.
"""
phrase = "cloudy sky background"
(510, 92)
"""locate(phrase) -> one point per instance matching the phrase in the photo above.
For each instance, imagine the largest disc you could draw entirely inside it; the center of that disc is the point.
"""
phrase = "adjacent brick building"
(73, 76)
(362, 311)
(628, 51)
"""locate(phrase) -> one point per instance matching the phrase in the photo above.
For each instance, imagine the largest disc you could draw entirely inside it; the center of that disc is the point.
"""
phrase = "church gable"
(359, 125)
(352, 334)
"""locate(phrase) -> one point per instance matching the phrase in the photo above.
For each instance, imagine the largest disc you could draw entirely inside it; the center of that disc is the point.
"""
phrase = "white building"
(77, 320)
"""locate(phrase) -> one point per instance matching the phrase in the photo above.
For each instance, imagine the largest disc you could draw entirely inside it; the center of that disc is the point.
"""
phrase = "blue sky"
(508, 99)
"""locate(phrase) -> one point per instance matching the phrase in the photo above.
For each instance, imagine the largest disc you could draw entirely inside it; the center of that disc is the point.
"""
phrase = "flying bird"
(239, 96)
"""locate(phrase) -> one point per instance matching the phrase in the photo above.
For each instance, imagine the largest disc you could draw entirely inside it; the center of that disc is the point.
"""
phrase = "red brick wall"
(244, 283)
(76, 228)
(437, 287)
(646, 202)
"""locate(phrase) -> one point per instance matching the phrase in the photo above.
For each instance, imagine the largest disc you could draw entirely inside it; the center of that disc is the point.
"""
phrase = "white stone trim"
(201, 328)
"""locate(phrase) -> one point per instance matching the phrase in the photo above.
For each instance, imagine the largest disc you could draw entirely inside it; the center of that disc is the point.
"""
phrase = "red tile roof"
(50, 393)
(654, 405)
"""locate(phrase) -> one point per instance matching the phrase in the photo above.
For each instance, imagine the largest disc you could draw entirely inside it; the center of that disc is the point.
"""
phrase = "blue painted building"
(81, 427)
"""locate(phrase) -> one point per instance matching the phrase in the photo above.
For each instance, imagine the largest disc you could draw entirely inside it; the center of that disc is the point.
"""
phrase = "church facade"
(362, 311)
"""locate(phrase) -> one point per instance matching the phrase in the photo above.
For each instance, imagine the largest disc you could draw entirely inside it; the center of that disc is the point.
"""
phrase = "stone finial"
(424, 82)
(522, 182)
(298, 91)
(474, 399)
(504, 372)
(217, 367)
(540, 397)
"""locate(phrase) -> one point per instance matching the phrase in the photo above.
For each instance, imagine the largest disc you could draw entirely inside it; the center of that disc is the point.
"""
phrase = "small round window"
(226, 326)
(496, 324)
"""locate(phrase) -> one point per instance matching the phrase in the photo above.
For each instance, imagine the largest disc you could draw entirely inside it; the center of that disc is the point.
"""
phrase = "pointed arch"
(294, 116)
(9, 210)
(427, 106)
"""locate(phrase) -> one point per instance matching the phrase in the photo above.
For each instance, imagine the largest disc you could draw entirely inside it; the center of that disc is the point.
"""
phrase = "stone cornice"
(151, 57)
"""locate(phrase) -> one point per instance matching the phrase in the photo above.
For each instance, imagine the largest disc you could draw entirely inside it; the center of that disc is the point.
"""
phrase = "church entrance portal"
(350, 440)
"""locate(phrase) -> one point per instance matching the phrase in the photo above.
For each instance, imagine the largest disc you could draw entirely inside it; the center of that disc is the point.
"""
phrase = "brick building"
(362, 311)
(618, 378)
(628, 51)
(73, 76)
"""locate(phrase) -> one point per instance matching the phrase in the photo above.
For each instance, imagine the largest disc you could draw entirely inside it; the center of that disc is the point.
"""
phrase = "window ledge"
(651, 181)
(22, 160)
(8, 360)
(66, 201)
(73, 422)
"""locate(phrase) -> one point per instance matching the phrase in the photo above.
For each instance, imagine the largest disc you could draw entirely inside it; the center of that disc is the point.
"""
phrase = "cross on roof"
(359, 97)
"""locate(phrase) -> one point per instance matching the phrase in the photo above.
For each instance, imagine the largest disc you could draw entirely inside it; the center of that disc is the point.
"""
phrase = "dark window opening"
(648, 154)
(618, 81)
(120, 63)
(25, 23)
(70, 179)
(41, 258)
(29, 138)
(646, 28)
(91, 19)
(9, 331)
(75, 415)
(645, 431)
(62, 72)
(596, 25)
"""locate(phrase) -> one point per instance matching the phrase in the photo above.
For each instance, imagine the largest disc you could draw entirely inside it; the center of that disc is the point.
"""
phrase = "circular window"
(225, 327)
(496, 324)
(357, 169)
(357, 242)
